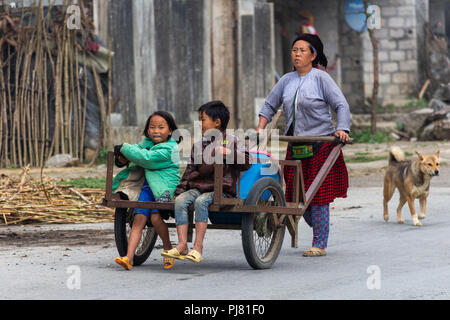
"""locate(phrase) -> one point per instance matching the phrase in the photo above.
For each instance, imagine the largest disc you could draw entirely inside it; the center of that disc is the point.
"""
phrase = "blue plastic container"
(248, 179)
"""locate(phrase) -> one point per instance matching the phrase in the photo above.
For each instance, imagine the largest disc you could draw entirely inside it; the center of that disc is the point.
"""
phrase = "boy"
(197, 185)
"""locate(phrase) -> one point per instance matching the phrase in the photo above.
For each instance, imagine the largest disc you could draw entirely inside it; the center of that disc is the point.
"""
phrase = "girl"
(158, 155)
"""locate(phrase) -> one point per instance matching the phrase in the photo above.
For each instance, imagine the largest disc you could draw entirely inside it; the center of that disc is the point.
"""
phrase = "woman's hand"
(342, 135)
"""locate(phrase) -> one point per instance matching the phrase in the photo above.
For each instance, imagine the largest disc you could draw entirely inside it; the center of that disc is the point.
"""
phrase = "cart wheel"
(261, 240)
(123, 221)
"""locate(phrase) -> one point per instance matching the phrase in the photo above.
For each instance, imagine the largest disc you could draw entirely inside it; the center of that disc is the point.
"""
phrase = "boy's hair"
(216, 110)
(169, 119)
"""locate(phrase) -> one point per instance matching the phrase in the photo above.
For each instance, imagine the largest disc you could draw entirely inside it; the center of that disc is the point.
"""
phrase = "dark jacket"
(199, 172)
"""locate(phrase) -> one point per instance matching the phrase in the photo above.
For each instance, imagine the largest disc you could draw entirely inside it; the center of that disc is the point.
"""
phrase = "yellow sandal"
(194, 256)
(167, 261)
(124, 262)
(173, 253)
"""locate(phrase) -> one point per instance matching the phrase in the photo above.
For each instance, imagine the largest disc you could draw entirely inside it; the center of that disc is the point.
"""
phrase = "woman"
(313, 92)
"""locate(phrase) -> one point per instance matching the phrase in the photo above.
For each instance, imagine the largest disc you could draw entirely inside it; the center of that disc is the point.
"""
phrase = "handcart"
(260, 210)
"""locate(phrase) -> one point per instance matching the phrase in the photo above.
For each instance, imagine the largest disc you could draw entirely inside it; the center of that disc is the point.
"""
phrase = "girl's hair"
(170, 122)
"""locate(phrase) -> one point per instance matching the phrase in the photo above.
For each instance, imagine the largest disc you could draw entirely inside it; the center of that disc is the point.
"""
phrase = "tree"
(374, 99)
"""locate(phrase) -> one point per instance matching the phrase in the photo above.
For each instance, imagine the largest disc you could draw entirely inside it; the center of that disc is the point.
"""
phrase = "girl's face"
(208, 123)
(158, 130)
(301, 55)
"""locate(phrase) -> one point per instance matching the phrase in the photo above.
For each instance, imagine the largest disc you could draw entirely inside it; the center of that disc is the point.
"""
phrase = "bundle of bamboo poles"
(43, 84)
(26, 200)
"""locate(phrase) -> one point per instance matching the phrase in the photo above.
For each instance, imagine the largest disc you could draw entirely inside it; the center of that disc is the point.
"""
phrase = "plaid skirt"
(335, 184)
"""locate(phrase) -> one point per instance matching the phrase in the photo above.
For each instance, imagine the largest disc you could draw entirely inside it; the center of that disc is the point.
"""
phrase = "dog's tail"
(396, 155)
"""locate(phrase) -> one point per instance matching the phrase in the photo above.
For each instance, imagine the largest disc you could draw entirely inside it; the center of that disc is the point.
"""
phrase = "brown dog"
(412, 179)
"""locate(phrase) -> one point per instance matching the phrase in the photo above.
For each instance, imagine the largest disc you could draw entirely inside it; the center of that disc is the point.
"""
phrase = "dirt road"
(365, 174)
(41, 257)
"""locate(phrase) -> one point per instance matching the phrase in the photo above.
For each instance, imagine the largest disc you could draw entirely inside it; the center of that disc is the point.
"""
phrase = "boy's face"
(208, 123)
(159, 130)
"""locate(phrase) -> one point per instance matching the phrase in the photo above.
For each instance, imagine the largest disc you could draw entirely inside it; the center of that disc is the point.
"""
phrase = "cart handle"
(312, 139)
(304, 139)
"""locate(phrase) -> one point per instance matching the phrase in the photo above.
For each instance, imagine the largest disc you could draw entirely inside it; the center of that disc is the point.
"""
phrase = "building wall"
(255, 74)
(352, 70)
(401, 47)
(326, 20)
(439, 17)
(176, 55)
(401, 51)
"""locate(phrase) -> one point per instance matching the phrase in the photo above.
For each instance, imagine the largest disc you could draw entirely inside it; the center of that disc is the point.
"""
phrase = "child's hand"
(122, 159)
(119, 160)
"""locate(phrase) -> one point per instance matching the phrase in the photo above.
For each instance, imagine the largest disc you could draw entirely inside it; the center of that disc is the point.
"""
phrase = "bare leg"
(182, 246)
(200, 231)
(139, 223)
(162, 230)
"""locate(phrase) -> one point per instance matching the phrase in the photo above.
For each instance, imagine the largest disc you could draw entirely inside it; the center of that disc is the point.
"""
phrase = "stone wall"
(401, 51)
(351, 64)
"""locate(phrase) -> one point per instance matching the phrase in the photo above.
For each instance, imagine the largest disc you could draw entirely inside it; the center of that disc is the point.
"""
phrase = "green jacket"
(161, 163)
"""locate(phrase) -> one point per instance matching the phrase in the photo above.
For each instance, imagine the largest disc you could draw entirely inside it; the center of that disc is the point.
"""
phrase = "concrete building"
(402, 48)
(176, 55)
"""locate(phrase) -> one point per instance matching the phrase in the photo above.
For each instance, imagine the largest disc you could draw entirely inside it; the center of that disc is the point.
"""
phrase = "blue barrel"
(248, 179)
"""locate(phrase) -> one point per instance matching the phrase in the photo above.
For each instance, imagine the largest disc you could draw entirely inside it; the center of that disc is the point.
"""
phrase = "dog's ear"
(420, 156)
(437, 154)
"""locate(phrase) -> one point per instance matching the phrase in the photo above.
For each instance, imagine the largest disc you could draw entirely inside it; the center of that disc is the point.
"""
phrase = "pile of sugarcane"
(43, 84)
(26, 200)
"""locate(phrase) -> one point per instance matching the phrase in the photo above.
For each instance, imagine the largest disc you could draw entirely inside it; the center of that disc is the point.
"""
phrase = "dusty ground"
(42, 236)
(367, 174)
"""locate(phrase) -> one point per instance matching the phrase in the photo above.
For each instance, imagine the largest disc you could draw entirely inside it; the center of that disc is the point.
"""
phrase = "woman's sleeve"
(273, 101)
(336, 100)
(159, 157)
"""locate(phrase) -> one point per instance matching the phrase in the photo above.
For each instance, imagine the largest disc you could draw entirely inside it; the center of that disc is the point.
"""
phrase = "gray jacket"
(317, 92)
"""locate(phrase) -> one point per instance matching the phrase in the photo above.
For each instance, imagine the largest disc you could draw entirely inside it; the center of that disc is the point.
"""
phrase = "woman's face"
(301, 55)
(158, 129)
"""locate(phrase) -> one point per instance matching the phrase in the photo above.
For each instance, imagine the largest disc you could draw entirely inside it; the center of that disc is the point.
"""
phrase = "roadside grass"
(360, 159)
(364, 136)
(91, 183)
(414, 103)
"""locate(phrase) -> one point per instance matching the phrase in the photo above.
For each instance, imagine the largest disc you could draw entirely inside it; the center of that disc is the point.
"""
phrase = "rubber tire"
(247, 226)
(121, 238)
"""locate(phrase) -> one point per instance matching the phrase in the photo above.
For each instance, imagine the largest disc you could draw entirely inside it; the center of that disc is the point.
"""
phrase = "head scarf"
(317, 44)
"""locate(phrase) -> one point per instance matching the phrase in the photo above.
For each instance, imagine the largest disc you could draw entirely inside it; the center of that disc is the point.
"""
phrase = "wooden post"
(109, 176)
(223, 60)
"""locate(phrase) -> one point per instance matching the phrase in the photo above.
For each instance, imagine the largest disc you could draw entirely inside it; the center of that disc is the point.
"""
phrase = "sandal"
(314, 252)
(124, 262)
(168, 262)
(194, 256)
(173, 253)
